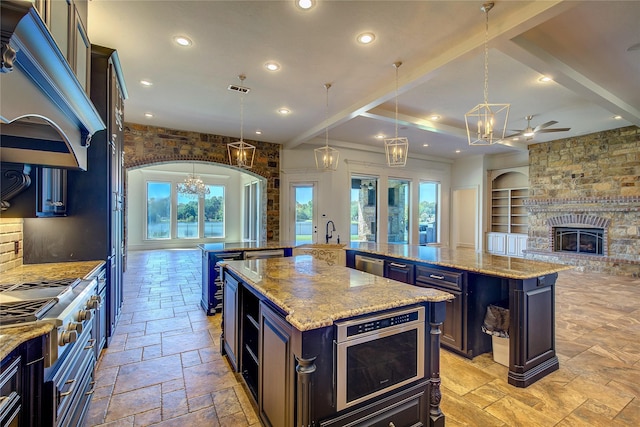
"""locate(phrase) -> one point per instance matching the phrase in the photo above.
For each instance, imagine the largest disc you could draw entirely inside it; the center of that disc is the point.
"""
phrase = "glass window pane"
(428, 212)
(398, 211)
(158, 210)
(187, 216)
(214, 212)
(303, 213)
(364, 209)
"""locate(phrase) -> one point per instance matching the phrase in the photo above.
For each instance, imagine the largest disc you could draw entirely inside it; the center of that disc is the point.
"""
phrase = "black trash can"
(496, 324)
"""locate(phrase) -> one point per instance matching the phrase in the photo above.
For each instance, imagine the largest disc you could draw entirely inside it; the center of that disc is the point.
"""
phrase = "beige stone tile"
(134, 402)
(205, 417)
(458, 411)
(148, 372)
(200, 402)
(152, 352)
(234, 420)
(119, 358)
(186, 342)
(207, 378)
(226, 402)
(143, 341)
(173, 385)
(515, 413)
(190, 358)
(148, 418)
(174, 404)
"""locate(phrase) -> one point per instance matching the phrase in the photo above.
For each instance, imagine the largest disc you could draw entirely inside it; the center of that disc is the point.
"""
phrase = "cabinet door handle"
(433, 276)
(71, 387)
(394, 264)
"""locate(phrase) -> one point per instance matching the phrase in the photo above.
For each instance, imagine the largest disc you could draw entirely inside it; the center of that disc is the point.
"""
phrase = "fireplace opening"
(579, 240)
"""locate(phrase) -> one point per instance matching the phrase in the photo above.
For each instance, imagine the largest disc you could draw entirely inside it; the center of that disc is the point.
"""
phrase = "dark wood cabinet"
(21, 385)
(400, 271)
(230, 321)
(277, 369)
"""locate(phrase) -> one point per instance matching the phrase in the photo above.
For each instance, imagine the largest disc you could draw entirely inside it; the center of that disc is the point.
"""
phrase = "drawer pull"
(394, 264)
(391, 424)
(433, 276)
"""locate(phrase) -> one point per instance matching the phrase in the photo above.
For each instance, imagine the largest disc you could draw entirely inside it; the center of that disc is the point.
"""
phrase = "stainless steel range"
(69, 305)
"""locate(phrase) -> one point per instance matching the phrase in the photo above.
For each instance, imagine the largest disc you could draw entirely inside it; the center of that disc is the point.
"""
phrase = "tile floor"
(163, 367)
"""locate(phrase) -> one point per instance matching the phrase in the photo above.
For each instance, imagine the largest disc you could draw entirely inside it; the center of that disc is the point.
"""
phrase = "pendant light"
(396, 148)
(241, 153)
(484, 119)
(193, 186)
(326, 157)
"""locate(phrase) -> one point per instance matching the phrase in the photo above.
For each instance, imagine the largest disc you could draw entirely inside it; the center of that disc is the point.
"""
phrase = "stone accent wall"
(11, 231)
(148, 145)
(596, 175)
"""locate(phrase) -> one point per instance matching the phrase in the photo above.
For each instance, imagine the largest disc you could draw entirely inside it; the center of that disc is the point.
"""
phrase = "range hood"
(46, 117)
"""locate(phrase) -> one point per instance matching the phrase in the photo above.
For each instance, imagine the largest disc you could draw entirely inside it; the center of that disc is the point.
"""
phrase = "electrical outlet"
(16, 247)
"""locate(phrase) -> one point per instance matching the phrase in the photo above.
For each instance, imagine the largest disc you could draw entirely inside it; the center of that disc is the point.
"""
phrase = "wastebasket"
(496, 324)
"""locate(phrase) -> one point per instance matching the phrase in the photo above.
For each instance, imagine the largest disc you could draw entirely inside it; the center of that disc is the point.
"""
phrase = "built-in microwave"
(377, 354)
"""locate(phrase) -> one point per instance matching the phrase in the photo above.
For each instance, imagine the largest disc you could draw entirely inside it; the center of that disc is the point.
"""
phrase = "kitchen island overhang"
(300, 302)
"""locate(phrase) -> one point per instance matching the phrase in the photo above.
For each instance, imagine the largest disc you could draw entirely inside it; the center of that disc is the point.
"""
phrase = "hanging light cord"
(486, 55)
(242, 77)
(326, 116)
(397, 65)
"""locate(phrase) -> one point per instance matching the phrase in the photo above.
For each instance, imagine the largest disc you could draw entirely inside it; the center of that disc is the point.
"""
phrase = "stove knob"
(75, 327)
(96, 298)
(92, 304)
(84, 315)
(67, 337)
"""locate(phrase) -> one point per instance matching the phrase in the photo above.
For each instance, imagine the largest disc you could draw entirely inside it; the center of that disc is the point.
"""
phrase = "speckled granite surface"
(314, 294)
(50, 271)
(12, 336)
(464, 259)
(244, 246)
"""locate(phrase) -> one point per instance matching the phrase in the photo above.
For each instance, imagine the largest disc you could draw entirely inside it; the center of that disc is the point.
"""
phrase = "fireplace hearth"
(578, 240)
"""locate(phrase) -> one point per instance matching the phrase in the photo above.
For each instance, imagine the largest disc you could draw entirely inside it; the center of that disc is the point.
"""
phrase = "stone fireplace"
(584, 202)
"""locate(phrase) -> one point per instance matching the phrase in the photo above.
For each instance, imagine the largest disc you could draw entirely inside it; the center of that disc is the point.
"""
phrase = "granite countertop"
(50, 271)
(14, 335)
(314, 294)
(244, 246)
(464, 259)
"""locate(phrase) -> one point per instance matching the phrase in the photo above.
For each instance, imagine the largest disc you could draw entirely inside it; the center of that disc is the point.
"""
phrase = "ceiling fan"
(529, 132)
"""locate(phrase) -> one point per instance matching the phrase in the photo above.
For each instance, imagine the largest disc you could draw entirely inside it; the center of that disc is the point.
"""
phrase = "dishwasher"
(370, 265)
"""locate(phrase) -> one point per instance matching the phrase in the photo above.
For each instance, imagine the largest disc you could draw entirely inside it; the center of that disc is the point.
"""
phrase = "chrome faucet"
(333, 226)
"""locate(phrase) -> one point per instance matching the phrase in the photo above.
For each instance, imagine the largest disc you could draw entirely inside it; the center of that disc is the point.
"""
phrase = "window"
(304, 214)
(398, 211)
(428, 212)
(158, 210)
(187, 227)
(251, 197)
(214, 212)
(364, 209)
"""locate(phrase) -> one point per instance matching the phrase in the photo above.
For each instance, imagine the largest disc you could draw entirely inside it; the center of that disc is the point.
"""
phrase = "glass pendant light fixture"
(326, 157)
(486, 123)
(193, 185)
(241, 153)
(398, 147)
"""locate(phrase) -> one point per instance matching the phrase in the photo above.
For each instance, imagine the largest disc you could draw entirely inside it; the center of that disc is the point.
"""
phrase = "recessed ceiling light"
(617, 117)
(545, 79)
(366, 38)
(146, 83)
(182, 40)
(305, 4)
(457, 151)
(515, 138)
(379, 136)
(148, 115)
(272, 66)
(284, 111)
(425, 145)
(258, 132)
(435, 117)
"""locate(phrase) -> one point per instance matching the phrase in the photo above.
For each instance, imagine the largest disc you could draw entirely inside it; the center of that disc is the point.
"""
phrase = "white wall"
(298, 165)
(232, 179)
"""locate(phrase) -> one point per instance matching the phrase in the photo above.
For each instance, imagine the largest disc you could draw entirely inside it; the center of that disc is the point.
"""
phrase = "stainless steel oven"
(377, 354)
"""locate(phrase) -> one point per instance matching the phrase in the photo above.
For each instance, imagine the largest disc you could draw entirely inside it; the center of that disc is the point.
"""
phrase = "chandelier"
(398, 147)
(484, 118)
(326, 157)
(241, 153)
(193, 186)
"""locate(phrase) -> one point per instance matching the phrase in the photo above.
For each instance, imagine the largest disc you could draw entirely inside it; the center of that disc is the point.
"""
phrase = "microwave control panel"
(356, 327)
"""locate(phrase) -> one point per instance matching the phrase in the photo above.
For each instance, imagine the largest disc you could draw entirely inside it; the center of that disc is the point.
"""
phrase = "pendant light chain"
(326, 116)
(486, 58)
(397, 65)
(242, 77)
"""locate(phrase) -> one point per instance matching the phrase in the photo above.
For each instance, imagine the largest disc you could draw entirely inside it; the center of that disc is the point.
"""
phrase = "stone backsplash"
(11, 231)
(589, 178)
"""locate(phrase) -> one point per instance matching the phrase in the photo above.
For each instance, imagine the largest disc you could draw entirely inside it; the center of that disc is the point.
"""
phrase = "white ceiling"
(590, 48)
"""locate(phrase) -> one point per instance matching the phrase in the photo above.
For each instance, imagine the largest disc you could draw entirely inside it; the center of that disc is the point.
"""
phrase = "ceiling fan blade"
(519, 133)
(554, 130)
(544, 125)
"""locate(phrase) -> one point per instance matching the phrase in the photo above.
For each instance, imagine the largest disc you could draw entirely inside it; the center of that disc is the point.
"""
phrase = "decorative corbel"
(14, 182)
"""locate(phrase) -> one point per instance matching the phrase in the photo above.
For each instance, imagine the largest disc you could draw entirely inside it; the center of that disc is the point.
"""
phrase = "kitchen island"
(329, 346)
(525, 287)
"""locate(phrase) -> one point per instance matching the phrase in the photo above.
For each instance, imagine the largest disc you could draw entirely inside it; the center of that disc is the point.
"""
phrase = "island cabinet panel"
(277, 369)
(229, 344)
